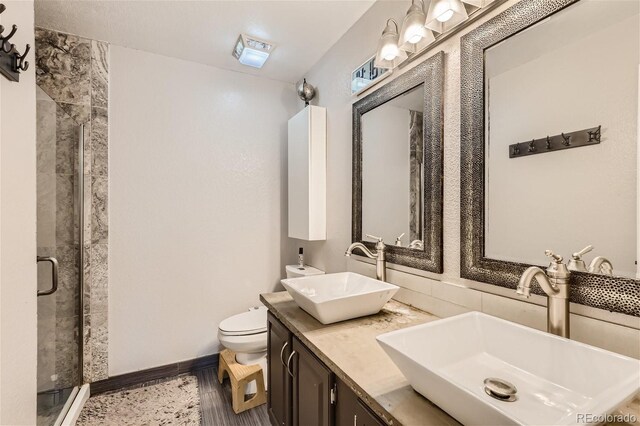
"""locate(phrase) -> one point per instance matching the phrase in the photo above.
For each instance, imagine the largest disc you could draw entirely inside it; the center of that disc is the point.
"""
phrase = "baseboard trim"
(155, 373)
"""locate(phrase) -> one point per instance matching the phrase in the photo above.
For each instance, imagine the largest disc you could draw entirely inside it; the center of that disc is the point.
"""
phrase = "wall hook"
(21, 64)
(595, 134)
(558, 142)
(5, 40)
(11, 61)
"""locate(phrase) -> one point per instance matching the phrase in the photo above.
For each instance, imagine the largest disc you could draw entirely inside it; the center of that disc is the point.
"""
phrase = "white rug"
(174, 402)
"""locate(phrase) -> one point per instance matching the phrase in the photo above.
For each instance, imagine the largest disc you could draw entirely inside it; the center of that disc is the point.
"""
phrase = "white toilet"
(246, 333)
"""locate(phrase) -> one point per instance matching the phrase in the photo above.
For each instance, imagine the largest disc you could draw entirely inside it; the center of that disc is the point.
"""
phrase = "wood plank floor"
(215, 404)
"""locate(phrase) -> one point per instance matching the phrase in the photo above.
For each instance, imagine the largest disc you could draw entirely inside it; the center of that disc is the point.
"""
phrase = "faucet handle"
(578, 255)
(399, 239)
(555, 257)
(373, 237)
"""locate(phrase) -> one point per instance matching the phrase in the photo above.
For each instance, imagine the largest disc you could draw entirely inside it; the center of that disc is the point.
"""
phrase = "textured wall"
(73, 72)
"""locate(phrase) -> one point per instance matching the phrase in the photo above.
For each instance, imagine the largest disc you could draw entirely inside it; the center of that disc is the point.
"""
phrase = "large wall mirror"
(397, 166)
(549, 146)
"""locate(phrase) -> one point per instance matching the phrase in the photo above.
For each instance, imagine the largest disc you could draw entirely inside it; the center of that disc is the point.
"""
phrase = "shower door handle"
(54, 275)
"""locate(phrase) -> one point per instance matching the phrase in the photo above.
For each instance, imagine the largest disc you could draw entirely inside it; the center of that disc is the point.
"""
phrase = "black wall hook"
(11, 61)
(577, 139)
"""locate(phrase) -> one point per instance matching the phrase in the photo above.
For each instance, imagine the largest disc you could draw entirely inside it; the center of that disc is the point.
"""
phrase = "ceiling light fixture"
(445, 14)
(252, 51)
(414, 36)
(389, 55)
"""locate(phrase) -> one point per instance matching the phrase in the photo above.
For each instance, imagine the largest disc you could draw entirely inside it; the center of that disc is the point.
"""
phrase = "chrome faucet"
(599, 265)
(379, 255)
(555, 283)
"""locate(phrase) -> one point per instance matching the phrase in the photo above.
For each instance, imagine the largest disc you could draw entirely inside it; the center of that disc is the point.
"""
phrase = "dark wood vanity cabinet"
(302, 391)
(312, 389)
(279, 342)
(351, 411)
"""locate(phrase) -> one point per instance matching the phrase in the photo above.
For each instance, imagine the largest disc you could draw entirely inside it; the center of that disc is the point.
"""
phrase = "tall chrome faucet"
(379, 255)
(555, 283)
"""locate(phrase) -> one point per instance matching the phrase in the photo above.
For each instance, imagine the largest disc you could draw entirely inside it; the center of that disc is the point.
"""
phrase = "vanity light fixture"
(252, 51)
(389, 55)
(445, 14)
(478, 3)
(414, 36)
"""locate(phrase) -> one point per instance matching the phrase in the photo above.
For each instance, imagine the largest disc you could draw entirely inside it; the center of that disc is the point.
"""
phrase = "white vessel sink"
(559, 381)
(337, 297)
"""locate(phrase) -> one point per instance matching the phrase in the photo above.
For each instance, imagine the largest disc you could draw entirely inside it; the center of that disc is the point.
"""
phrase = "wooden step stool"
(240, 376)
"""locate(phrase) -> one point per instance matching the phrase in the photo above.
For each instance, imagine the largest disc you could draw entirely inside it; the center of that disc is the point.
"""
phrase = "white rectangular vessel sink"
(337, 297)
(558, 381)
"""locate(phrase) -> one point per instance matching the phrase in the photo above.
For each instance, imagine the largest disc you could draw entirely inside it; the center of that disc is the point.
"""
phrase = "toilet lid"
(251, 322)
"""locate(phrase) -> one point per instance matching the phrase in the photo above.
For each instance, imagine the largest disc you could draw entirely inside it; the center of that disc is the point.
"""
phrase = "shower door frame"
(78, 395)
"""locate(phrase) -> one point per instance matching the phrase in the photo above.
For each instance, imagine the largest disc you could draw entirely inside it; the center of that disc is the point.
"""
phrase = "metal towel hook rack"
(12, 62)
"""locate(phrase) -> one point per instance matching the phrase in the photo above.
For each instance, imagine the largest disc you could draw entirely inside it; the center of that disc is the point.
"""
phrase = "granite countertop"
(350, 350)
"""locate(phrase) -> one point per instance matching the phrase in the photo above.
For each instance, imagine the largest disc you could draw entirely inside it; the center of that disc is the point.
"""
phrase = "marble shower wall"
(74, 73)
(416, 160)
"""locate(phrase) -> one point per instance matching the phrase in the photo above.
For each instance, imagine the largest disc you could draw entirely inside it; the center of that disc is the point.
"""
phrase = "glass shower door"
(59, 218)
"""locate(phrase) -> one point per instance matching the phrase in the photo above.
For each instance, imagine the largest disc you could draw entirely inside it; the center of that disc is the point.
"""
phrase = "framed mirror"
(397, 166)
(549, 147)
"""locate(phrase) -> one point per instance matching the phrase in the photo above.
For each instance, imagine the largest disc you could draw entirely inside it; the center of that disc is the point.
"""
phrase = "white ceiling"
(206, 31)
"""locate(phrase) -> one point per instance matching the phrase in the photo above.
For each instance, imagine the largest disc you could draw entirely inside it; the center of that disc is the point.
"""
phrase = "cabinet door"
(278, 379)
(312, 384)
(365, 417)
(351, 411)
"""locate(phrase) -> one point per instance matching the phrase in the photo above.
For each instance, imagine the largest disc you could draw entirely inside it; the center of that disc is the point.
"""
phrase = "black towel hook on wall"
(11, 61)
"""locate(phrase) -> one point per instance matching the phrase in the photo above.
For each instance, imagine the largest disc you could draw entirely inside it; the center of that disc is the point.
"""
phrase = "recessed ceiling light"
(252, 51)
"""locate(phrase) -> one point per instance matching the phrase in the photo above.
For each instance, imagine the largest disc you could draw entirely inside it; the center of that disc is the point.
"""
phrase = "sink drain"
(500, 389)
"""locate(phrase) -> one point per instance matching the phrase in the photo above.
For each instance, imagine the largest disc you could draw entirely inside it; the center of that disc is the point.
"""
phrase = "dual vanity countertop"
(350, 350)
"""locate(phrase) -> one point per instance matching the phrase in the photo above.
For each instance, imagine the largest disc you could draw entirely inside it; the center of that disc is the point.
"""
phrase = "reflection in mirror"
(393, 170)
(576, 70)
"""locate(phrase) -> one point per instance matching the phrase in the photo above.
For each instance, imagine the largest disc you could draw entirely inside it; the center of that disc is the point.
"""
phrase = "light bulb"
(389, 52)
(414, 34)
(445, 16)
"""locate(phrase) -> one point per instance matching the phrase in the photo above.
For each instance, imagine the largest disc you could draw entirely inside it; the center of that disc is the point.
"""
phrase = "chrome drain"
(500, 389)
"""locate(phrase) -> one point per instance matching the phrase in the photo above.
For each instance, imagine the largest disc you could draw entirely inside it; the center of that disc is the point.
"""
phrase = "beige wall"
(444, 294)
(197, 203)
(18, 230)
(589, 193)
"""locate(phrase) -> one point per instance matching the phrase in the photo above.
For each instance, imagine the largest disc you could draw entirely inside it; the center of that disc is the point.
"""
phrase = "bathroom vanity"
(337, 374)
(352, 380)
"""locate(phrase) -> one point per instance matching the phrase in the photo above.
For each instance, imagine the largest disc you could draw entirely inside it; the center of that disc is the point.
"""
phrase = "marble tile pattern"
(73, 75)
(174, 402)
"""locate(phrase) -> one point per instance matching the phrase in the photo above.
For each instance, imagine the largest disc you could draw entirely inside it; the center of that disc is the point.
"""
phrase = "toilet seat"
(245, 324)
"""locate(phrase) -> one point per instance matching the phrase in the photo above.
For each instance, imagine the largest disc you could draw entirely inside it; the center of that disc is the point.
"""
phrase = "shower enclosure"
(60, 257)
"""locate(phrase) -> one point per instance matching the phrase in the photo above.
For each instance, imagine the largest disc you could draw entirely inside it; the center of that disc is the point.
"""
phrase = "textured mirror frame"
(431, 74)
(599, 291)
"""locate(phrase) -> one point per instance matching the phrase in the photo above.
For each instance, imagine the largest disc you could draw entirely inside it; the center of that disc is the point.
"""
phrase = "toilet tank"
(294, 271)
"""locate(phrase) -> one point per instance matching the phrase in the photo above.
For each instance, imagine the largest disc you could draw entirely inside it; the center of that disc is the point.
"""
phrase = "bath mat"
(174, 402)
